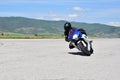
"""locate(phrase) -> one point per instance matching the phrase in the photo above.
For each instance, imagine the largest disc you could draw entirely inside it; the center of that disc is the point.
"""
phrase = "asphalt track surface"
(51, 59)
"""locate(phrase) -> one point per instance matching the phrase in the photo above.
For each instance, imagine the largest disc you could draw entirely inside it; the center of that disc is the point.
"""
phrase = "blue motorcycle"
(80, 41)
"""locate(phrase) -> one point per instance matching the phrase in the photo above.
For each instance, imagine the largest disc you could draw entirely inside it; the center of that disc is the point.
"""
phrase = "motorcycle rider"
(68, 28)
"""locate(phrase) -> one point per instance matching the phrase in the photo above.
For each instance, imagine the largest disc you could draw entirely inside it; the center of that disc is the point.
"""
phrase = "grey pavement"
(51, 59)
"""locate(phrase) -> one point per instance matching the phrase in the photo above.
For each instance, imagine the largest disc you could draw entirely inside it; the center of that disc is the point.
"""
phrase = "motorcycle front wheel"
(82, 46)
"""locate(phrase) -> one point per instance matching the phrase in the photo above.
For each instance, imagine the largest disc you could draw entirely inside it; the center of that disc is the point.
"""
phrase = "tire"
(83, 48)
(91, 50)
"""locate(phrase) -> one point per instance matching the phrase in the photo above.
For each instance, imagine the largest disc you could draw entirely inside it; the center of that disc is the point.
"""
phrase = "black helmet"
(67, 26)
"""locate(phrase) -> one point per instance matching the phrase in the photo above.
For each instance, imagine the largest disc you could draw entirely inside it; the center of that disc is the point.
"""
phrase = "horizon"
(88, 11)
(57, 20)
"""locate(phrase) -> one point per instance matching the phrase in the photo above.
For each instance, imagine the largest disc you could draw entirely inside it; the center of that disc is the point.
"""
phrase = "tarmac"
(51, 59)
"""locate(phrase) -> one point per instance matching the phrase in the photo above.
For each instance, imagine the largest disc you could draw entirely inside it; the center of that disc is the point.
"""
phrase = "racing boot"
(71, 46)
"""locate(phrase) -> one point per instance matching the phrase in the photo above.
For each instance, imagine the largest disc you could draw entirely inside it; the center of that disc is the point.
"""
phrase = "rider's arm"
(66, 36)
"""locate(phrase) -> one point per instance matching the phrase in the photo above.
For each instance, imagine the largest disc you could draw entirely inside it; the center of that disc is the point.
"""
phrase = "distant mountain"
(28, 26)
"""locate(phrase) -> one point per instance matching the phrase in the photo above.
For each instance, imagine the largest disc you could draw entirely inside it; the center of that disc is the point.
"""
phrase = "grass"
(31, 37)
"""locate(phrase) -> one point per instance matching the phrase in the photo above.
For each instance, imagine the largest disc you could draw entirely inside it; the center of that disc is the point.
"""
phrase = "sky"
(88, 11)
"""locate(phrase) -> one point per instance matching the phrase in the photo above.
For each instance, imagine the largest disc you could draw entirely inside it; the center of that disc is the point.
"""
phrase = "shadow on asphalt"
(77, 53)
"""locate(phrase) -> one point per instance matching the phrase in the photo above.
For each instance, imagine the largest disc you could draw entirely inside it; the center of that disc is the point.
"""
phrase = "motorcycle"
(80, 41)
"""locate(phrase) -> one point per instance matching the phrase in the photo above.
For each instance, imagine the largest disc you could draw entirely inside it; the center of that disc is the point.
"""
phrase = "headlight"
(75, 36)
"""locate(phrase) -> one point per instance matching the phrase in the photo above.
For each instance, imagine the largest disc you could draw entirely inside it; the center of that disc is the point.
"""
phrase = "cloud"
(58, 19)
(42, 18)
(77, 8)
(72, 15)
(52, 14)
(117, 24)
(69, 17)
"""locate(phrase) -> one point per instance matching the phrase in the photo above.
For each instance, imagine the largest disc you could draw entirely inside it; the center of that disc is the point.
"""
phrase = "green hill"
(28, 26)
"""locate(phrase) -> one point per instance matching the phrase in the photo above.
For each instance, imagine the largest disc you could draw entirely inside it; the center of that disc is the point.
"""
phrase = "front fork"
(88, 43)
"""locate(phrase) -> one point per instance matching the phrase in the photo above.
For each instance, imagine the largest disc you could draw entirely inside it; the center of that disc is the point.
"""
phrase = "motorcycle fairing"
(72, 32)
